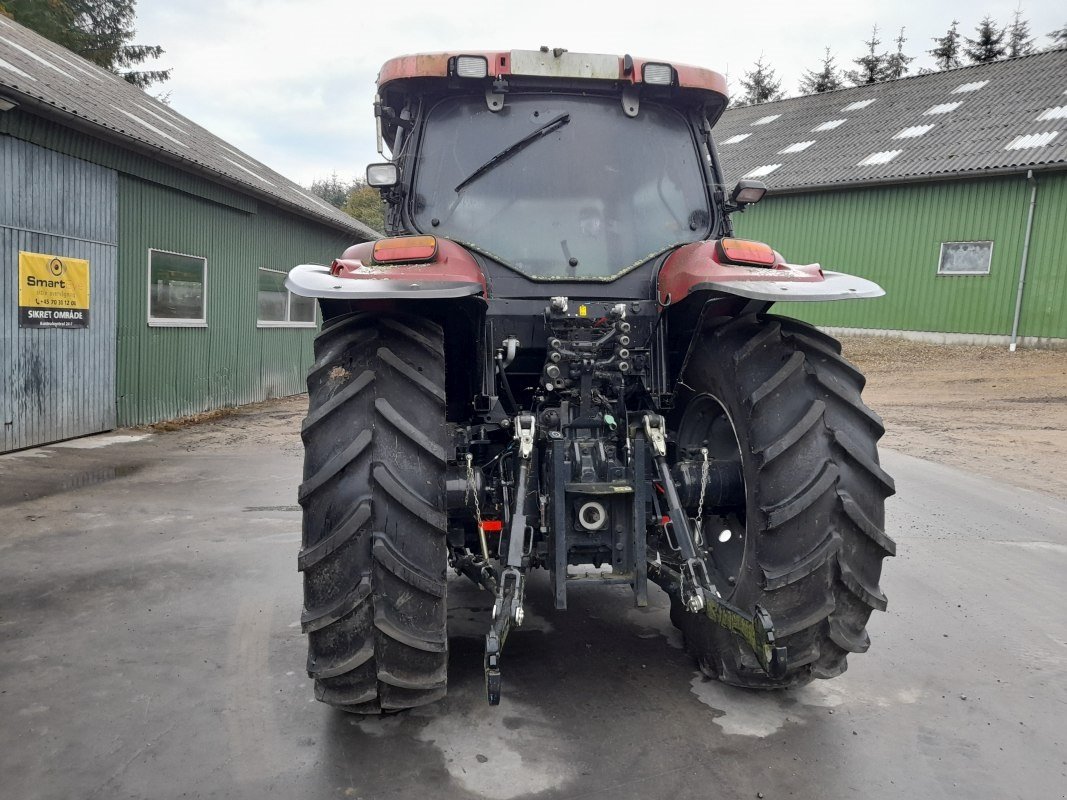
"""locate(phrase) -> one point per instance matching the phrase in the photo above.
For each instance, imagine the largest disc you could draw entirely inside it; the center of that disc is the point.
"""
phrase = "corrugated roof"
(999, 116)
(35, 69)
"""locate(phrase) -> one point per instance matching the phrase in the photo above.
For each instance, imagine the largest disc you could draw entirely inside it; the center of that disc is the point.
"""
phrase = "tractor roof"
(550, 64)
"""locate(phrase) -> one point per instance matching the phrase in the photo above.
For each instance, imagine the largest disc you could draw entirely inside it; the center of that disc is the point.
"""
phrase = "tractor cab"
(557, 166)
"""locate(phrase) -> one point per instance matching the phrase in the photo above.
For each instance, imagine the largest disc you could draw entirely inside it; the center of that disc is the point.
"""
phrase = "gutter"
(1022, 266)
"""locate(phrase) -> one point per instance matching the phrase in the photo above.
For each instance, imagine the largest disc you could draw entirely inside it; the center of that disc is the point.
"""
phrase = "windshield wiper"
(512, 149)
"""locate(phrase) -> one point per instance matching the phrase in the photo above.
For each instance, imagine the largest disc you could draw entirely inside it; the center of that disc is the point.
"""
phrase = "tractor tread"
(817, 485)
(374, 553)
(352, 524)
(776, 578)
(816, 509)
(417, 437)
(794, 434)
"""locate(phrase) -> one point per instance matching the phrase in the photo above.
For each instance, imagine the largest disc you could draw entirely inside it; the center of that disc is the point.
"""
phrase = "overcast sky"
(292, 83)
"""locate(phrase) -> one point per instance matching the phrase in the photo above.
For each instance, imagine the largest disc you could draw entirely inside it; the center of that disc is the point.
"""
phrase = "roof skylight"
(883, 157)
(71, 64)
(766, 120)
(1031, 140)
(16, 70)
(859, 104)
(943, 108)
(969, 87)
(796, 147)
(241, 156)
(735, 139)
(759, 172)
(1059, 112)
(161, 118)
(914, 131)
(150, 126)
(36, 57)
(250, 172)
(829, 126)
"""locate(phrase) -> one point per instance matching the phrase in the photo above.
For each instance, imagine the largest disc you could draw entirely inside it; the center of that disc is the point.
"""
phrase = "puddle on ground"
(497, 752)
(46, 487)
(762, 713)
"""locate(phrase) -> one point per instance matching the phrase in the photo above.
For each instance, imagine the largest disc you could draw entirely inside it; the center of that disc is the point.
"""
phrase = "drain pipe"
(1022, 266)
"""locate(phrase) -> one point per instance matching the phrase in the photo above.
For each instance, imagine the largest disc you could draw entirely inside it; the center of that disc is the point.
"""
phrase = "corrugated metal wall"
(56, 384)
(893, 235)
(169, 372)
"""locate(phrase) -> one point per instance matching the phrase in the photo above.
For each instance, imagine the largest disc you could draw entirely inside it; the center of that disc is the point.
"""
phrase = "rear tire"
(374, 551)
(814, 535)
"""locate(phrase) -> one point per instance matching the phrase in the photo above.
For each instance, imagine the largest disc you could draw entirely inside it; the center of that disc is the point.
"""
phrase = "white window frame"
(286, 323)
(941, 260)
(166, 322)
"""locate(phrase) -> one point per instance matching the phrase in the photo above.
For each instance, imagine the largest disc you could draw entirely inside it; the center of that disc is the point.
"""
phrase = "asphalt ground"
(149, 648)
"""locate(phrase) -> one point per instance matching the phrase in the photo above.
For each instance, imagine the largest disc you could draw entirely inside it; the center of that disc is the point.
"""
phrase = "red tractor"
(561, 356)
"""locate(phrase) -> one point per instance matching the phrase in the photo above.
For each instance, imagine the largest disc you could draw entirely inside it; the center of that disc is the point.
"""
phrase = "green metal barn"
(944, 188)
(167, 249)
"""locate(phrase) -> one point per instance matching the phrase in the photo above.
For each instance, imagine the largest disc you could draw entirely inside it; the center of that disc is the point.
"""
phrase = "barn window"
(177, 289)
(965, 258)
(277, 306)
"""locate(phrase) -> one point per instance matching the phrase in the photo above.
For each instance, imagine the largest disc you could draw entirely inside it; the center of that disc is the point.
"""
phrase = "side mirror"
(747, 192)
(382, 176)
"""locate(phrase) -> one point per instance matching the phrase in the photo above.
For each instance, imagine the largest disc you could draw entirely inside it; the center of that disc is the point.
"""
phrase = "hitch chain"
(471, 496)
(705, 469)
(697, 592)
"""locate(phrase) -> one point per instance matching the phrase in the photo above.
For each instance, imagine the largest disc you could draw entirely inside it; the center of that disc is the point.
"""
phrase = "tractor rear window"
(559, 186)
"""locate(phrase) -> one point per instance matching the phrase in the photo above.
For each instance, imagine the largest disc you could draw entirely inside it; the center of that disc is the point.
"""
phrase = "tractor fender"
(700, 267)
(451, 273)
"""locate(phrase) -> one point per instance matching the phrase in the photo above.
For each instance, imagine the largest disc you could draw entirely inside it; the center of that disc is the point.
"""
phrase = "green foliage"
(761, 85)
(365, 204)
(97, 30)
(988, 45)
(947, 52)
(872, 66)
(1059, 38)
(826, 79)
(1020, 42)
(332, 189)
(353, 197)
(896, 64)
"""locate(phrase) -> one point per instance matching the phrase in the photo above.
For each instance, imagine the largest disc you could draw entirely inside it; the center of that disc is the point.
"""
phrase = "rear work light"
(662, 74)
(472, 66)
(408, 249)
(743, 251)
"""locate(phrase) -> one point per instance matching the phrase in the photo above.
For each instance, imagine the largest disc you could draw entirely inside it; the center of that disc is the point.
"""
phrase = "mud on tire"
(814, 517)
(374, 551)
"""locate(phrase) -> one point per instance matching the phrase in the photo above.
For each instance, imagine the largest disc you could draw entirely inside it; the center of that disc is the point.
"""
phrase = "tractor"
(560, 357)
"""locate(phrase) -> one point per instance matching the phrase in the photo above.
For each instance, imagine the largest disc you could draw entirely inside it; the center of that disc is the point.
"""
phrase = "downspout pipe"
(1022, 266)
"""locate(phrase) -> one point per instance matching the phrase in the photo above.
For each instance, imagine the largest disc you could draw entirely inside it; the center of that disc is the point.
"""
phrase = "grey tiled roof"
(36, 71)
(998, 103)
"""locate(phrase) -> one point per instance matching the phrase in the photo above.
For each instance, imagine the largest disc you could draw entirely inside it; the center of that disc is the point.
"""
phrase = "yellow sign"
(53, 291)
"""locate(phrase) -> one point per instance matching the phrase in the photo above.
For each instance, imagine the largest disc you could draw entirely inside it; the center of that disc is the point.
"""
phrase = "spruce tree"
(947, 52)
(988, 45)
(1020, 42)
(761, 85)
(826, 79)
(896, 65)
(872, 66)
(97, 30)
(1059, 38)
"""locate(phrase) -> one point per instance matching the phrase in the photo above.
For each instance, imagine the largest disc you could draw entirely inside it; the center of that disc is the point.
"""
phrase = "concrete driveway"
(149, 648)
